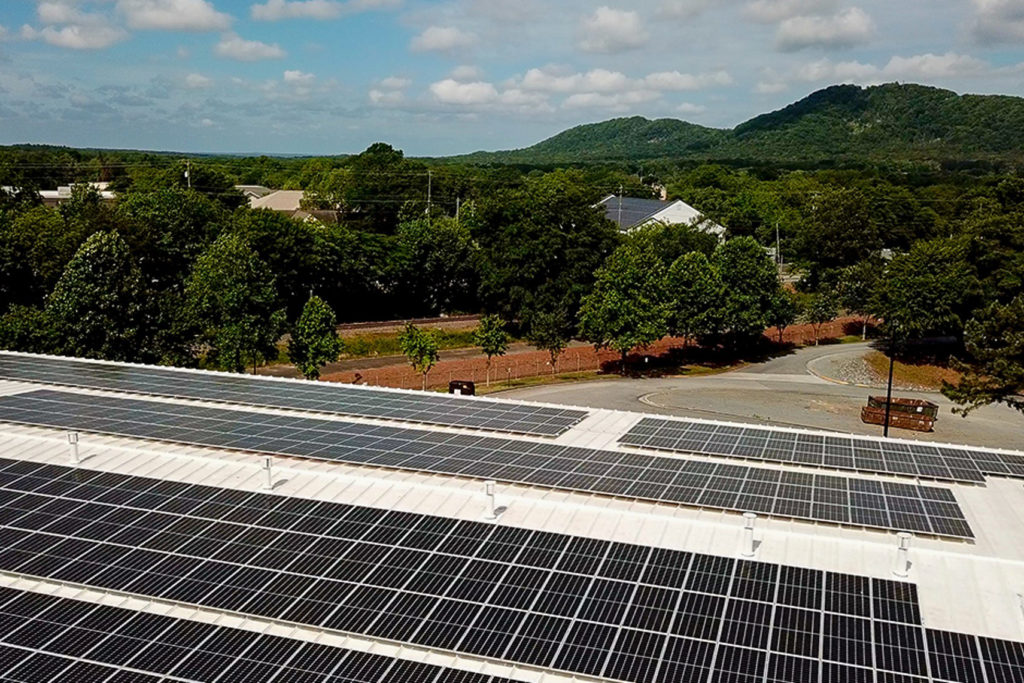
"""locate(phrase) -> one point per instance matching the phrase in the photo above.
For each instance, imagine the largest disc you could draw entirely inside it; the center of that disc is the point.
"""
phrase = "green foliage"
(539, 249)
(550, 331)
(822, 308)
(434, 266)
(628, 306)
(750, 282)
(693, 292)
(96, 308)
(491, 337)
(233, 305)
(994, 369)
(670, 242)
(840, 230)
(929, 290)
(25, 328)
(892, 121)
(784, 310)
(420, 348)
(314, 340)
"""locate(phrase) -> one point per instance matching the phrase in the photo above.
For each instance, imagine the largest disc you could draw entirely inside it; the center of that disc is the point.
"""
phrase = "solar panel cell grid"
(308, 396)
(836, 452)
(716, 485)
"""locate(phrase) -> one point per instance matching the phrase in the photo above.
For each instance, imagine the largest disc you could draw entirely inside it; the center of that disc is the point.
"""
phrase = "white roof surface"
(969, 587)
(281, 200)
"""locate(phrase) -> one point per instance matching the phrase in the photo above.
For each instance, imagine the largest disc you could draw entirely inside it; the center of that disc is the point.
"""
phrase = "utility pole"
(188, 172)
(430, 179)
(458, 205)
(778, 247)
(620, 207)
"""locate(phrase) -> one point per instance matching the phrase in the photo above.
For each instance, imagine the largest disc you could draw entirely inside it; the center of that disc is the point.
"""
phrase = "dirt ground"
(531, 363)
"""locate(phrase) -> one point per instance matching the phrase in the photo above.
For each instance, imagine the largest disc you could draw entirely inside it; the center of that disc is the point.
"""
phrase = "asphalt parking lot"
(783, 391)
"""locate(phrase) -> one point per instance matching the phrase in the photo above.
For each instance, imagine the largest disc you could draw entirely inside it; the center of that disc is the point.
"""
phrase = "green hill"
(892, 121)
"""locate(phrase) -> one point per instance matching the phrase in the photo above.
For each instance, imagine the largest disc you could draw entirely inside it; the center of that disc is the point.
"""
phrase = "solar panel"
(837, 451)
(320, 397)
(613, 610)
(723, 486)
(49, 638)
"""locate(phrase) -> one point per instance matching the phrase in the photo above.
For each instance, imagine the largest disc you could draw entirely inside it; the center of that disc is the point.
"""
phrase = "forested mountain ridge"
(892, 121)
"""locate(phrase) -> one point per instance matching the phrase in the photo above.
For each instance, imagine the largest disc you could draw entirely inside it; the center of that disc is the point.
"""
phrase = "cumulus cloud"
(610, 31)
(467, 72)
(925, 67)
(999, 21)
(450, 91)
(76, 36)
(774, 11)
(388, 98)
(395, 83)
(233, 46)
(690, 108)
(173, 15)
(198, 82)
(673, 80)
(274, 10)
(299, 77)
(850, 27)
(442, 39)
(614, 101)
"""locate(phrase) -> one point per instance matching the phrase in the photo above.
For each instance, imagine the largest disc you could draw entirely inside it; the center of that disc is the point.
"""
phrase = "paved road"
(781, 391)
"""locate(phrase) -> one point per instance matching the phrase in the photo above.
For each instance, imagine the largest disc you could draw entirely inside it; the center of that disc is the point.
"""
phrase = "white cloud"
(395, 83)
(774, 11)
(614, 101)
(198, 81)
(826, 70)
(173, 15)
(442, 39)
(63, 13)
(934, 66)
(551, 79)
(298, 77)
(3, 32)
(683, 9)
(273, 10)
(610, 31)
(386, 97)
(233, 46)
(673, 80)
(850, 27)
(467, 72)
(999, 20)
(450, 91)
(76, 36)
(689, 108)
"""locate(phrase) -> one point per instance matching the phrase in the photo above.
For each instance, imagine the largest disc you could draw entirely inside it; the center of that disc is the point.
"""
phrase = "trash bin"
(462, 387)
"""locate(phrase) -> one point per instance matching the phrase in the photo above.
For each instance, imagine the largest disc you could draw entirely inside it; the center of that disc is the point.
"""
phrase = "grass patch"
(386, 344)
(920, 375)
(539, 380)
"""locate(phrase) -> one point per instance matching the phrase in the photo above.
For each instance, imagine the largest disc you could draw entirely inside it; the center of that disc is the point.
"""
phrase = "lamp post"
(888, 390)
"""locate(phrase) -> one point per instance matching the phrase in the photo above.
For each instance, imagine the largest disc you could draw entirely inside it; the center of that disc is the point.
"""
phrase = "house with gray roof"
(630, 213)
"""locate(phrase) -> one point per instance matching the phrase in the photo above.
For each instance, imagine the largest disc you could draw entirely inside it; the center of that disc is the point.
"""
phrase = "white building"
(631, 212)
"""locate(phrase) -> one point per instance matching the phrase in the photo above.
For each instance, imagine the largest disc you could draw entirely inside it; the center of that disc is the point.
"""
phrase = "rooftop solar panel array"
(579, 605)
(838, 451)
(48, 638)
(797, 495)
(309, 396)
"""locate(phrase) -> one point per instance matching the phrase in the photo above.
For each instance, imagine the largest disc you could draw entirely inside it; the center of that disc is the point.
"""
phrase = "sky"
(439, 77)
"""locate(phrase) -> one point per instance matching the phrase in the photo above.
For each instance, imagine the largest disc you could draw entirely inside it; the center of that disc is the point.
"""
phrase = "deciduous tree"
(420, 348)
(314, 340)
(693, 291)
(492, 338)
(232, 302)
(994, 369)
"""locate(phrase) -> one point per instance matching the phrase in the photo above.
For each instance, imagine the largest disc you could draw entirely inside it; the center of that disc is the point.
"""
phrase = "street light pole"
(888, 391)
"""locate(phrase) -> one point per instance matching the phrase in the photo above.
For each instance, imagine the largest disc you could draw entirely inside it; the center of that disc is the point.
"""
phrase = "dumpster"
(462, 387)
(904, 413)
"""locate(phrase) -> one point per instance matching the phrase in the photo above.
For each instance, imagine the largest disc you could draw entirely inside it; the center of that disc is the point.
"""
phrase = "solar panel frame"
(843, 452)
(697, 483)
(317, 397)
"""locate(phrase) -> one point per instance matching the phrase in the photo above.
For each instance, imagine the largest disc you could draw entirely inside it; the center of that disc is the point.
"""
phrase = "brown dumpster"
(907, 405)
(919, 422)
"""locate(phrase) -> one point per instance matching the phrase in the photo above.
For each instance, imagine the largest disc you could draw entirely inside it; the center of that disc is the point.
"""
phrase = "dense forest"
(178, 269)
(840, 125)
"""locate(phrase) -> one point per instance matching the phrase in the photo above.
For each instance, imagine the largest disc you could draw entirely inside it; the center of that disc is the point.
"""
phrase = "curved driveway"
(781, 391)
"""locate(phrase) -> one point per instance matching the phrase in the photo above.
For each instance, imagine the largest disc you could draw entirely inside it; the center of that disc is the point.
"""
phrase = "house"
(63, 194)
(253, 191)
(632, 212)
(285, 201)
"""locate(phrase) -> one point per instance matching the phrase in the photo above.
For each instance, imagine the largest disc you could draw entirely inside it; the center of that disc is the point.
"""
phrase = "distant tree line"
(179, 270)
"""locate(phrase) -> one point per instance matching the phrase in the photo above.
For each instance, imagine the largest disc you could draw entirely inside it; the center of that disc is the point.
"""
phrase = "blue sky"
(437, 77)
